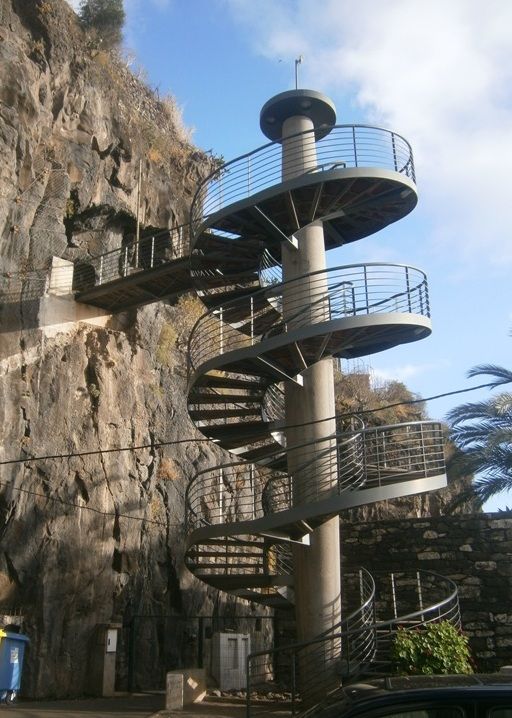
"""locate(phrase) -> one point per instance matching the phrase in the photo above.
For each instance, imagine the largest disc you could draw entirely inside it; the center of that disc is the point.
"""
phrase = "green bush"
(436, 648)
(106, 18)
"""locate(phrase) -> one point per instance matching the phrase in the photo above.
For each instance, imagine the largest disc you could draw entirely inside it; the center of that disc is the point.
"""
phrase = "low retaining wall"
(474, 550)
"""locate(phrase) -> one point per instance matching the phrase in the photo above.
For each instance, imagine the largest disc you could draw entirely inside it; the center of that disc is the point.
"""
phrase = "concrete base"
(184, 687)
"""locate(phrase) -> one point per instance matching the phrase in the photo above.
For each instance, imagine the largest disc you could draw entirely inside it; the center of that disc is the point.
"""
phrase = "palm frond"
(491, 484)
(500, 373)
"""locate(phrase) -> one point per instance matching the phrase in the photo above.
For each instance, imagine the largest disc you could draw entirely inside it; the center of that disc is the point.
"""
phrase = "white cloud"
(440, 73)
(402, 373)
(75, 4)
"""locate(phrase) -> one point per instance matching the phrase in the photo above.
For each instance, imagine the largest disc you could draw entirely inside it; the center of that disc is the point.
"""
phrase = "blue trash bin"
(12, 652)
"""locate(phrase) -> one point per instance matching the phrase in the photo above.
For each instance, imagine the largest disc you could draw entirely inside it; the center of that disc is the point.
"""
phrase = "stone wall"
(474, 550)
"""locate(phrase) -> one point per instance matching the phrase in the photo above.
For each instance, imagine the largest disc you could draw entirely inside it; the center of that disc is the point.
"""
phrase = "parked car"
(472, 696)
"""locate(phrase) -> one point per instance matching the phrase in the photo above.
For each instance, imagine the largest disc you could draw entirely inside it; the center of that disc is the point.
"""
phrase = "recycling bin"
(12, 652)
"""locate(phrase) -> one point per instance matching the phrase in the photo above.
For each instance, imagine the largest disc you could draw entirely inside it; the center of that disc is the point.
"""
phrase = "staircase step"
(232, 435)
(226, 413)
(226, 566)
(218, 398)
(231, 554)
(227, 382)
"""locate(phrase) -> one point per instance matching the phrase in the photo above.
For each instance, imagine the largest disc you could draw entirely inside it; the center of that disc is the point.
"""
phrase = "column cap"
(308, 103)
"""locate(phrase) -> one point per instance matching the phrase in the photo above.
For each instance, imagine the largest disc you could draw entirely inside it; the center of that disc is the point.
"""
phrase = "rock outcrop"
(87, 539)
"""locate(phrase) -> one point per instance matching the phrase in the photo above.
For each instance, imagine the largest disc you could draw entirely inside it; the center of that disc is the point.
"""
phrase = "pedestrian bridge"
(142, 271)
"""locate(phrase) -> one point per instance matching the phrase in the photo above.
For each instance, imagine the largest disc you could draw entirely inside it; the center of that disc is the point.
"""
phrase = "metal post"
(407, 282)
(200, 639)
(221, 496)
(354, 141)
(131, 656)
(248, 176)
(365, 275)
(101, 270)
(393, 594)
(152, 252)
(221, 311)
(294, 695)
(422, 444)
(394, 151)
(248, 687)
(252, 320)
(253, 494)
(137, 236)
(420, 595)
(298, 61)
(125, 271)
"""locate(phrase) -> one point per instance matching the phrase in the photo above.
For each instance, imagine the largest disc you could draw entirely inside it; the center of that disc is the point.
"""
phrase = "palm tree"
(482, 431)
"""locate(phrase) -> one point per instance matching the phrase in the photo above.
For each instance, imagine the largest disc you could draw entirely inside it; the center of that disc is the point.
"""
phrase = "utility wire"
(142, 519)
(344, 415)
(58, 500)
(96, 452)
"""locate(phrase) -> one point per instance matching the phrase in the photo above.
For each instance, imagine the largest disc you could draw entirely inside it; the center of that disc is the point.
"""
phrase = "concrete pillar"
(313, 469)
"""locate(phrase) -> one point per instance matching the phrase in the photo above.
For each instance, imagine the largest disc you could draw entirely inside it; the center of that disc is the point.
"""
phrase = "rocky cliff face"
(90, 538)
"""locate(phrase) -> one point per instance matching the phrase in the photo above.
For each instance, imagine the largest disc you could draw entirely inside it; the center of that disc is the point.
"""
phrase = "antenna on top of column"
(298, 62)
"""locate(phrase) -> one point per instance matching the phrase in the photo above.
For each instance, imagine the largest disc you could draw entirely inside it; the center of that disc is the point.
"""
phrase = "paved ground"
(133, 706)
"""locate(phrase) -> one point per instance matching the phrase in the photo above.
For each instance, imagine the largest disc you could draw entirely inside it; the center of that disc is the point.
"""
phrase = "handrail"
(354, 647)
(148, 252)
(382, 455)
(371, 288)
(350, 145)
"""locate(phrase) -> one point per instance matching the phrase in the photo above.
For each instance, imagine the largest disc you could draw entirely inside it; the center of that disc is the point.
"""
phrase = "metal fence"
(346, 146)
(132, 257)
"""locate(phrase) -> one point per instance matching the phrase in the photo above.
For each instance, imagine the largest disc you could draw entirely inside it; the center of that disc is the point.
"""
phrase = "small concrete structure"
(184, 687)
(58, 310)
(103, 660)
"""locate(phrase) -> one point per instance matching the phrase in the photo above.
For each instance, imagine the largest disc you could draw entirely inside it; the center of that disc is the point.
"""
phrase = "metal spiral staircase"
(260, 333)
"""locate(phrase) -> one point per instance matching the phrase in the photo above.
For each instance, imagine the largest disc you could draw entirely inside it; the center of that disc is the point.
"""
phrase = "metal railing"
(345, 146)
(434, 596)
(363, 643)
(133, 257)
(347, 461)
(334, 293)
(415, 450)
(300, 668)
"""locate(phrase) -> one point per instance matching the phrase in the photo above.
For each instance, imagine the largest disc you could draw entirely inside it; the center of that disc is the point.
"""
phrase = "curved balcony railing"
(338, 292)
(366, 459)
(273, 403)
(271, 270)
(361, 639)
(135, 256)
(345, 146)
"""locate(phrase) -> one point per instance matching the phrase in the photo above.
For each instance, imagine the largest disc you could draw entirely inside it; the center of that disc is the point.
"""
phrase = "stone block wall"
(474, 550)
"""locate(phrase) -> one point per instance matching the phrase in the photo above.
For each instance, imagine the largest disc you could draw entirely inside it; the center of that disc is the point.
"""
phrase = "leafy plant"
(437, 648)
(105, 17)
(483, 433)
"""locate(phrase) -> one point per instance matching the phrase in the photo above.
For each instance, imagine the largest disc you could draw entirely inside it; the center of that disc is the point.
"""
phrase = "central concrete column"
(312, 465)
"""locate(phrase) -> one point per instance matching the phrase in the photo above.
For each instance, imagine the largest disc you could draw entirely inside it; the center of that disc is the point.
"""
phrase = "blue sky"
(438, 73)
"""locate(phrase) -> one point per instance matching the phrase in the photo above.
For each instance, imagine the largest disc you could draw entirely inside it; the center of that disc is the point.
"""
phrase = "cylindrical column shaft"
(312, 465)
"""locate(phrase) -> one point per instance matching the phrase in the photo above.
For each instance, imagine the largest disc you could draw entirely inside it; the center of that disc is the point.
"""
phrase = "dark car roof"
(360, 698)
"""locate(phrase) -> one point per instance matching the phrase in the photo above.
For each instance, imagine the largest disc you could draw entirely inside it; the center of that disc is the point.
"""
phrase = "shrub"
(437, 648)
(105, 17)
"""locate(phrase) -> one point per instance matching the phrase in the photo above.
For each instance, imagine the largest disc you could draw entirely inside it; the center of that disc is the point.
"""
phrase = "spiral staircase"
(244, 520)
